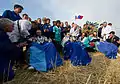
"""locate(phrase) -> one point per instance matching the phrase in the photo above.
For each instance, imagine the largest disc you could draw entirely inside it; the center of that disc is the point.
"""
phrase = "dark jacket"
(46, 26)
(113, 40)
(11, 15)
(99, 32)
(8, 53)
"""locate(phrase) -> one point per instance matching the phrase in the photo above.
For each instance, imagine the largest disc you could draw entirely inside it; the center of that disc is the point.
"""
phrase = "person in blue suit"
(46, 27)
(8, 51)
(13, 15)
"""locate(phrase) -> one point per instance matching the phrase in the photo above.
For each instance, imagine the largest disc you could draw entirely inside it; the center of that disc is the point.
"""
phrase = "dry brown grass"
(100, 71)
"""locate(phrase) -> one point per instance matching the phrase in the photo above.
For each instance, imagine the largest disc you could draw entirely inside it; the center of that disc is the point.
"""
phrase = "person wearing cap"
(13, 15)
(113, 39)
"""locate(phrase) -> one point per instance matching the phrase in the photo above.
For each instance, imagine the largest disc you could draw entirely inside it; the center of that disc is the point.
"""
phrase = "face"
(95, 33)
(58, 24)
(54, 23)
(48, 21)
(91, 26)
(75, 26)
(18, 10)
(62, 24)
(91, 35)
(105, 24)
(83, 34)
(101, 26)
(38, 32)
(68, 35)
(44, 20)
(25, 17)
(84, 26)
(29, 19)
(111, 35)
(66, 23)
(9, 28)
(38, 20)
(72, 24)
(33, 25)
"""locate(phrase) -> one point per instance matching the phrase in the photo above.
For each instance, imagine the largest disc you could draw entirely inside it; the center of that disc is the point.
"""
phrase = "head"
(25, 16)
(84, 34)
(112, 33)
(38, 32)
(6, 25)
(95, 34)
(91, 34)
(18, 8)
(91, 25)
(75, 26)
(29, 19)
(48, 21)
(66, 23)
(44, 20)
(104, 24)
(110, 24)
(35, 21)
(84, 26)
(34, 24)
(58, 23)
(62, 24)
(68, 34)
(54, 23)
(72, 24)
(39, 20)
(101, 25)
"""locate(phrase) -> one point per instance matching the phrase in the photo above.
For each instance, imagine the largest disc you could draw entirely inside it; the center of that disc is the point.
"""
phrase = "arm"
(8, 49)
(25, 27)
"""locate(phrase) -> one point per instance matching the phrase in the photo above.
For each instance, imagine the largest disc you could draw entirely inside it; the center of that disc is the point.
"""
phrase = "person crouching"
(8, 51)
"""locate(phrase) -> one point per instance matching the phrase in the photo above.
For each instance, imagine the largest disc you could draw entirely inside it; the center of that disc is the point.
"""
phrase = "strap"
(18, 26)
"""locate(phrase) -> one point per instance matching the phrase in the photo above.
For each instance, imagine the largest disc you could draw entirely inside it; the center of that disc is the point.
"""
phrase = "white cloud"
(93, 10)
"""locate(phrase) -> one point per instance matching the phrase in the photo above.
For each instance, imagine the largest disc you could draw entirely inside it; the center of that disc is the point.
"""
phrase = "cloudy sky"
(92, 10)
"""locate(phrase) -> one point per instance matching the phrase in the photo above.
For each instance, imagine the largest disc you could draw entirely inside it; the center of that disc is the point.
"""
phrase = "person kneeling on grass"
(8, 51)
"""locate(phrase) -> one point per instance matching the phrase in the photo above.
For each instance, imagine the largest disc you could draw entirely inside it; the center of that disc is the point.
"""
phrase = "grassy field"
(100, 71)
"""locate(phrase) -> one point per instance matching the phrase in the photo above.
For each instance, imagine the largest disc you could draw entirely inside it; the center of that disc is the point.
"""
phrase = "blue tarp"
(76, 53)
(109, 49)
(44, 57)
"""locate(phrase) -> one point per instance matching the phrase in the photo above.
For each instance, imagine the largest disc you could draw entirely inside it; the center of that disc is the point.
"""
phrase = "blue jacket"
(46, 26)
(8, 53)
(11, 15)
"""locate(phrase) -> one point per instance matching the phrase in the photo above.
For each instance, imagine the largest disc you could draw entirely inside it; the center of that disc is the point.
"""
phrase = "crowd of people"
(17, 34)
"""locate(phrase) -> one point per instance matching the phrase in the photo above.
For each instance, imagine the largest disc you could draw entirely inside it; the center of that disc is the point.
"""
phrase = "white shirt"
(65, 39)
(74, 32)
(24, 25)
(106, 30)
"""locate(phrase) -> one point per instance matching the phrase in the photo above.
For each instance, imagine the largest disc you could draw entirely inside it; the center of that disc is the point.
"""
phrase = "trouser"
(58, 46)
